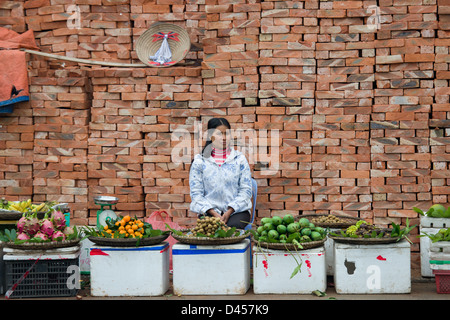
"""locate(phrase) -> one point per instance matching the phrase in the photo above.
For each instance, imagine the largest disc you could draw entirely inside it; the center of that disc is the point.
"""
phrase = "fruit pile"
(330, 219)
(125, 227)
(23, 206)
(286, 230)
(435, 211)
(208, 226)
(32, 229)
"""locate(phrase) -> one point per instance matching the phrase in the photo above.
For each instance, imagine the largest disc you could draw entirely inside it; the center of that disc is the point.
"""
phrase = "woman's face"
(221, 137)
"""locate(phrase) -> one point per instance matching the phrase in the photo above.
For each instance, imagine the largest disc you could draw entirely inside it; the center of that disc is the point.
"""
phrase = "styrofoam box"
(129, 271)
(431, 226)
(85, 258)
(47, 254)
(425, 243)
(439, 255)
(429, 222)
(211, 269)
(329, 253)
(272, 270)
(371, 269)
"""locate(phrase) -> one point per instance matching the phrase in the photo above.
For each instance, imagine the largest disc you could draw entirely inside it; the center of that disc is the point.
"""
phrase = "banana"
(39, 207)
(15, 206)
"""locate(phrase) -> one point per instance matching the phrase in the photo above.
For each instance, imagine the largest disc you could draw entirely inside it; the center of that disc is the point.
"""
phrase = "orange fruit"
(134, 227)
(126, 218)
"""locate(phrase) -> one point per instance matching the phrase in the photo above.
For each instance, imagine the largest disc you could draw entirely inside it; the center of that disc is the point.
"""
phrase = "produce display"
(330, 219)
(125, 227)
(364, 229)
(31, 229)
(286, 230)
(211, 227)
(24, 206)
(435, 211)
(441, 235)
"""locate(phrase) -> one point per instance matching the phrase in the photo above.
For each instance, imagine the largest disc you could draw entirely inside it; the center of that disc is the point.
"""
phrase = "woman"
(220, 179)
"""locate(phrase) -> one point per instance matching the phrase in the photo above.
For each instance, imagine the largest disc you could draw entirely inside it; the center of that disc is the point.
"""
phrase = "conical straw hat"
(150, 41)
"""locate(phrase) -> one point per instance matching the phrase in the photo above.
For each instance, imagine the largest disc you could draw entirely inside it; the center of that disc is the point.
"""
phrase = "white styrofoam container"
(47, 254)
(129, 271)
(272, 270)
(85, 258)
(329, 253)
(372, 269)
(429, 222)
(439, 255)
(429, 225)
(425, 244)
(211, 269)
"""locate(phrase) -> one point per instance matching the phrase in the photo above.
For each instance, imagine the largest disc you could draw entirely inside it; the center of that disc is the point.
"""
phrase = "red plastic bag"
(158, 220)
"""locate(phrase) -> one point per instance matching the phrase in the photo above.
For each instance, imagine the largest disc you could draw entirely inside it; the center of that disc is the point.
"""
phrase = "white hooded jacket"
(219, 187)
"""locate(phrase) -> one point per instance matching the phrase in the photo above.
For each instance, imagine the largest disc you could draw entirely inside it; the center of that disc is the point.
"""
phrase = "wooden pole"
(86, 61)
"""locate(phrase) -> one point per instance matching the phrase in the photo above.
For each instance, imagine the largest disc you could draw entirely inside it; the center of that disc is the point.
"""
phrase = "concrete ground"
(421, 289)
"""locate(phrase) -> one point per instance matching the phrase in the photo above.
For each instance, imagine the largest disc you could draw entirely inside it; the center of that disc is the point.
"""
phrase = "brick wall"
(363, 112)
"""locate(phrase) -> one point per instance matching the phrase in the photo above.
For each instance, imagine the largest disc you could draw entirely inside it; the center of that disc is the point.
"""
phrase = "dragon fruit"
(21, 224)
(68, 231)
(58, 235)
(32, 225)
(40, 235)
(59, 220)
(22, 236)
(47, 226)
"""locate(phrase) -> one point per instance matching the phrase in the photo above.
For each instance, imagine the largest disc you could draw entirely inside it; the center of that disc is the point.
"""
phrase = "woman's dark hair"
(213, 124)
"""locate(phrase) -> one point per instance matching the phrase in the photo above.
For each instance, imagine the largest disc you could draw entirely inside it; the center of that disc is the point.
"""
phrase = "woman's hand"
(227, 215)
(213, 213)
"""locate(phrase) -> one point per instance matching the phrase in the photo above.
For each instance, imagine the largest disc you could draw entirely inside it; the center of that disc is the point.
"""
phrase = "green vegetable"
(435, 211)
(266, 220)
(306, 231)
(441, 235)
(281, 229)
(277, 221)
(304, 222)
(316, 236)
(273, 234)
(269, 226)
(292, 228)
(288, 219)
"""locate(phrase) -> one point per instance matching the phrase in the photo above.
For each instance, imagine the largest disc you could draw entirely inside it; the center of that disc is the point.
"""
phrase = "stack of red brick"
(358, 91)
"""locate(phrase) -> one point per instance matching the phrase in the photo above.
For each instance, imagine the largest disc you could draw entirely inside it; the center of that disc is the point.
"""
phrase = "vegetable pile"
(32, 229)
(286, 230)
(208, 227)
(364, 229)
(435, 211)
(125, 227)
(441, 235)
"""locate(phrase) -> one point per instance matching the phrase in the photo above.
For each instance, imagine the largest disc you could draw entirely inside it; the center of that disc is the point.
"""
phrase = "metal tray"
(105, 200)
